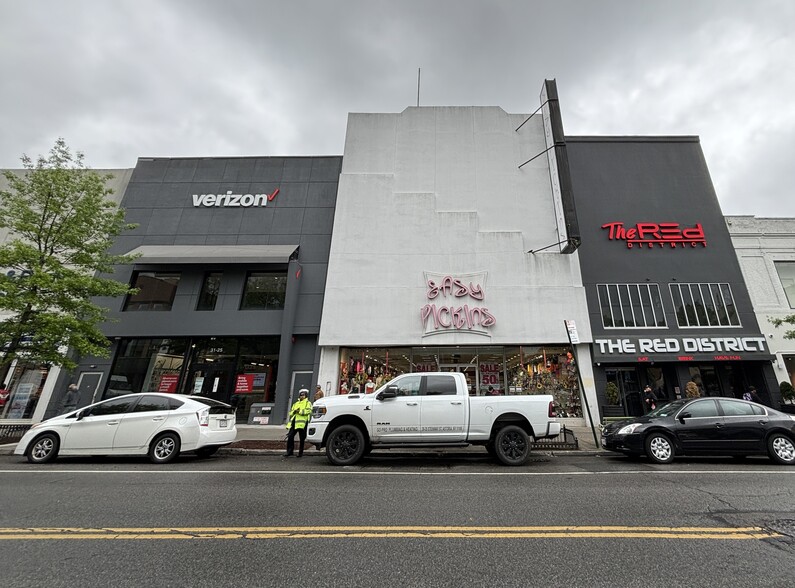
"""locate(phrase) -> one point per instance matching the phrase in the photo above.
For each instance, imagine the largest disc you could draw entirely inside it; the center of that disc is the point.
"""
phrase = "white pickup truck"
(430, 409)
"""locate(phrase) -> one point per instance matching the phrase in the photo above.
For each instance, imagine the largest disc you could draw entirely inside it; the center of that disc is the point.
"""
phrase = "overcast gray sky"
(125, 79)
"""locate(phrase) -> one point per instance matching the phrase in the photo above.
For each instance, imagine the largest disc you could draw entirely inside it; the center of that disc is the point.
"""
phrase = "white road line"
(782, 472)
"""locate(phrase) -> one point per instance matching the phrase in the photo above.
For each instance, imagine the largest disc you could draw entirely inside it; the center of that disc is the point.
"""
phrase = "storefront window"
(706, 378)
(147, 365)
(20, 399)
(257, 366)
(488, 370)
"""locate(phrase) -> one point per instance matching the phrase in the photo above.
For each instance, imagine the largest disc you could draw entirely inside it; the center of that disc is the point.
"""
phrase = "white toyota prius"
(158, 425)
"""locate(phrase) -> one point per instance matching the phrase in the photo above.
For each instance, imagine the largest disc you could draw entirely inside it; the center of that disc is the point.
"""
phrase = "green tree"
(61, 226)
(790, 320)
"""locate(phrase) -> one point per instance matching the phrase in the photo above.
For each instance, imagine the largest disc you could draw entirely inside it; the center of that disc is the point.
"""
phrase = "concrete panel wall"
(440, 190)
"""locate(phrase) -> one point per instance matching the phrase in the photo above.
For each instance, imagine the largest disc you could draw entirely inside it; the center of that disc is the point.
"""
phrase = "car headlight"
(629, 429)
(318, 412)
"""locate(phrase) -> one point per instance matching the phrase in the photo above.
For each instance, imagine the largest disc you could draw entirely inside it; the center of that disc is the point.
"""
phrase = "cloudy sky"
(124, 79)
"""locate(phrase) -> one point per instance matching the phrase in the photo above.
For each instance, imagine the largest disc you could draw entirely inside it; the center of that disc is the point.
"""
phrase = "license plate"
(222, 424)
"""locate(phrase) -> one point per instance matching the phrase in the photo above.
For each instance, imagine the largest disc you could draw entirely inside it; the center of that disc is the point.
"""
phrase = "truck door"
(443, 410)
(398, 419)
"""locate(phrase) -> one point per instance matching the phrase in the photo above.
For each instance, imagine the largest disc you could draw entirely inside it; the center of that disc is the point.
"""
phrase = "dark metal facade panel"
(648, 181)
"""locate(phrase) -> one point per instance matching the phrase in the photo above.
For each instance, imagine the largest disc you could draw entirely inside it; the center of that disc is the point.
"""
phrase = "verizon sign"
(650, 235)
(230, 200)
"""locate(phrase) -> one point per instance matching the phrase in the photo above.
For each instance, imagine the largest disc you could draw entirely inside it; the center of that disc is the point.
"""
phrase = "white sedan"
(158, 425)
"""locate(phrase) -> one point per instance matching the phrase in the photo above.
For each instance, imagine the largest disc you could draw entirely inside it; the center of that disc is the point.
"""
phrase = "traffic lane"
(400, 460)
(398, 562)
(578, 492)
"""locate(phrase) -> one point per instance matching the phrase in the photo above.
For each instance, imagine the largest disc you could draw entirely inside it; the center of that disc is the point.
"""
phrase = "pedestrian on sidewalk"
(650, 397)
(318, 393)
(752, 395)
(71, 398)
(297, 422)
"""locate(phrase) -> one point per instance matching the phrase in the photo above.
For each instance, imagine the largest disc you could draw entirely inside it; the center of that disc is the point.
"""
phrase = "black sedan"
(705, 426)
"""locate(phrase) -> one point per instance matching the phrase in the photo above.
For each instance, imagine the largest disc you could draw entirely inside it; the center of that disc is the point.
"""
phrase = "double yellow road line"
(399, 532)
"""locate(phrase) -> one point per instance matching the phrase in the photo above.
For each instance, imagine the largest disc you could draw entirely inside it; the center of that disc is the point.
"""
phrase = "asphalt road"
(429, 521)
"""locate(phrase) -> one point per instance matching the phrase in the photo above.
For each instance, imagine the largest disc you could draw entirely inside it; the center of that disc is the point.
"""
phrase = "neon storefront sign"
(650, 235)
(454, 304)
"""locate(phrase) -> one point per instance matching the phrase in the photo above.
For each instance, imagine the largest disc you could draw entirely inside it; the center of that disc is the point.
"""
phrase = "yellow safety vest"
(301, 412)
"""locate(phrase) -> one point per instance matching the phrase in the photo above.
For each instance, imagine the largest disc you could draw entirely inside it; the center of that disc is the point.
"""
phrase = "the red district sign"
(168, 383)
(244, 384)
(656, 234)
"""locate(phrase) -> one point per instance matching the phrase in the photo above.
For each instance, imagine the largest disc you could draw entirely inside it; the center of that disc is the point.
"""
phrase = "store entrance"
(213, 380)
(628, 389)
(469, 370)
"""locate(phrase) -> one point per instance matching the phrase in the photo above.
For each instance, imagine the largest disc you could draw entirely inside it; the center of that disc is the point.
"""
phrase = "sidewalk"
(269, 440)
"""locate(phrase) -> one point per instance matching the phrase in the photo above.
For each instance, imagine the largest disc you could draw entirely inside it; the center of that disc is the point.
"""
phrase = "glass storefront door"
(628, 389)
(213, 380)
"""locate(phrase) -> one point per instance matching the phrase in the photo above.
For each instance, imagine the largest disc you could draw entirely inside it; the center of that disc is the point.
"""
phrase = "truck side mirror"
(388, 392)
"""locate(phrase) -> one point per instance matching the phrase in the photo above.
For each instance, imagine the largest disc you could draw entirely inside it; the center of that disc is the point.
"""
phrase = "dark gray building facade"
(231, 269)
(666, 298)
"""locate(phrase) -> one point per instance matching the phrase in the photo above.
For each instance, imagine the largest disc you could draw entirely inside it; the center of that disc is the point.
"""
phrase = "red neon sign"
(656, 235)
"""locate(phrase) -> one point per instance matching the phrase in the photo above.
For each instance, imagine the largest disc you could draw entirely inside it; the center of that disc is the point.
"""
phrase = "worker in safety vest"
(297, 422)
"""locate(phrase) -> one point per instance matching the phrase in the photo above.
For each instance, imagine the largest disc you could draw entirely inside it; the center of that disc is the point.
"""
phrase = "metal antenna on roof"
(419, 69)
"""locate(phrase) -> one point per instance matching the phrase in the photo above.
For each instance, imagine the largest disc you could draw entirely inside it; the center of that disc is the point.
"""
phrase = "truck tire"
(512, 445)
(345, 445)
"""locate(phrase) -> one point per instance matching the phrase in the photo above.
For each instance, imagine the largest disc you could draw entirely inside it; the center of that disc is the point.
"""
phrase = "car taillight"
(204, 417)
(552, 413)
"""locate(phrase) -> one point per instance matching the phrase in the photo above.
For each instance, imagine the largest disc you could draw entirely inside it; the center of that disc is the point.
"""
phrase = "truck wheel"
(345, 445)
(512, 445)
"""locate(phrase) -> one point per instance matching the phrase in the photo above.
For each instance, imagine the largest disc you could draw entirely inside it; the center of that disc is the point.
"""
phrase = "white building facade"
(765, 248)
(446, 254)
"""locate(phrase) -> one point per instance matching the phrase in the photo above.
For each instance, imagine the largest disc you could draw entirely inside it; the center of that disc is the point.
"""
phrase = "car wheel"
(205, 452)
(43, 449)
(345, 445)
(781, 449)
(512, 445)
(164, 448)
(659, 448)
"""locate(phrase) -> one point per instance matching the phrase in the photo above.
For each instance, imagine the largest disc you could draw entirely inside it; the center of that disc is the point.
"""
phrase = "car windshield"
(667, 409)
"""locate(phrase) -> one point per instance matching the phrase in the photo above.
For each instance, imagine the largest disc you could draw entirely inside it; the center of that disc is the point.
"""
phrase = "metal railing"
(565, 440)
(12, 433)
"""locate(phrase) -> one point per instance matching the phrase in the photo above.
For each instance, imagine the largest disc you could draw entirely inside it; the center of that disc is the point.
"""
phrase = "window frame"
(263, 273)
(687, 296)
(630, 304)
(790, 264)
(203, 290)
(130, 299)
